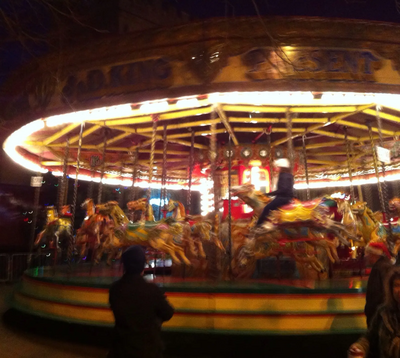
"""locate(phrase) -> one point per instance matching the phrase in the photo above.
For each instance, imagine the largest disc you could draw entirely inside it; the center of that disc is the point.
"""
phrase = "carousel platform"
(270, 307)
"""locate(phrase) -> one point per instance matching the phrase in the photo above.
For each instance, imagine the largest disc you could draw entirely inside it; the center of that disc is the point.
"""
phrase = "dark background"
(31, 28)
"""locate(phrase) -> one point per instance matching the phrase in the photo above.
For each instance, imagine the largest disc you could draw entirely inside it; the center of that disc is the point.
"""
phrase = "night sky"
(13, 54)
(379, 10)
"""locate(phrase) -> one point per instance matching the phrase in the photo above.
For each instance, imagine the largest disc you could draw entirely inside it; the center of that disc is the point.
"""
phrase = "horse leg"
(39, 238)
(312, 261)
(218, 243)
(159, 244)
(200, 249)
(181, 253)
(190, 241)
(83, 251)
(98, 253)
(329, 247)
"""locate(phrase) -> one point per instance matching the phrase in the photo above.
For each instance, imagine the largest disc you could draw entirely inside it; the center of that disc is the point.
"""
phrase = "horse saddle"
(297, 204)
(297, 212)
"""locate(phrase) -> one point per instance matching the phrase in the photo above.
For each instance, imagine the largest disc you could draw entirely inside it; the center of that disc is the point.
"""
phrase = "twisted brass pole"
(349, 165)
(306, 168)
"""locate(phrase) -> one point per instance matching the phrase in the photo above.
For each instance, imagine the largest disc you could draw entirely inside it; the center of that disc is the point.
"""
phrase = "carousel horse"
(394, 205)
(141, 204)
(201, 229)
(57, 233)
(156, 235)
(309, 222)
(369, 228)
(94, 232)
(348, 219)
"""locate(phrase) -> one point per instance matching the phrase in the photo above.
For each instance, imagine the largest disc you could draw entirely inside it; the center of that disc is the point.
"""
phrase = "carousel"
(208, 108)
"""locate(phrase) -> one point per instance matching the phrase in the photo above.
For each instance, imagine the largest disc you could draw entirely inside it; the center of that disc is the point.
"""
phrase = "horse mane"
(117, 213)
(150, 213)
(181, 209)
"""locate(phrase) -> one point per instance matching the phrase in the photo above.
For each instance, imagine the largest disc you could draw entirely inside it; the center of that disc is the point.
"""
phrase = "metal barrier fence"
(12, 266)
(5, 262)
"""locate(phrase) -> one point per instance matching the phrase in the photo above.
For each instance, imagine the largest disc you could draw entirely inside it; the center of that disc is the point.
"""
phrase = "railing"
(12, 266)
(5, 267)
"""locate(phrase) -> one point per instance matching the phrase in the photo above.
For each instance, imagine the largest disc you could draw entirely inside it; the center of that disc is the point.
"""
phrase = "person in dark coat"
(139, 309)
(383, 337)
(284, 192)
(379, 257)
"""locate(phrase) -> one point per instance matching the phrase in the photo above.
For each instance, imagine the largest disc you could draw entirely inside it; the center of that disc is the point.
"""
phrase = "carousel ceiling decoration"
(337, 129)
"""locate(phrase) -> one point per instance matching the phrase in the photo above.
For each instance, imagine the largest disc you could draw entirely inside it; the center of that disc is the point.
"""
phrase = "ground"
(24, 336)
(21, 337)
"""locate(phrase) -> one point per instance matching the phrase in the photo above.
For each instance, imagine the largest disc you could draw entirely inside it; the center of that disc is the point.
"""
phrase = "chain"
(213, 161)
(121, 187)
(151, 164)
(381, 198)
(213, 157)
(59, 185)
(103, 166)
(230, 204)
(349, 165)
(290, 139)
(395, 188)
(164, 168)
(368, 195)
(90, 189)
(191, 161)
(135, 157)
(35, 215)
(74, 198)
(384, 186)
(306, 167)
(64, 184)
(270, 157)
(163, 193)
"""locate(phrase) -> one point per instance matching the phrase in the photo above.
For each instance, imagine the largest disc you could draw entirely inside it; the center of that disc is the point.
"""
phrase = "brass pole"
(103, 166)
(306, 167)
(349, 164)
(151, 164)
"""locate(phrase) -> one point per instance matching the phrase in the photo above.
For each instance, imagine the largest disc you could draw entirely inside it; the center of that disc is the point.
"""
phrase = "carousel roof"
(324, 120)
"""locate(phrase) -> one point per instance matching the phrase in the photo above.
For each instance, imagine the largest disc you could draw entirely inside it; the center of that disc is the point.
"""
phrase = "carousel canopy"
(335, 93)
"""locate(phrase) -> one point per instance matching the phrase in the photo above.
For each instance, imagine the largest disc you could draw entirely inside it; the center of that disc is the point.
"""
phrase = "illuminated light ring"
(19, 137)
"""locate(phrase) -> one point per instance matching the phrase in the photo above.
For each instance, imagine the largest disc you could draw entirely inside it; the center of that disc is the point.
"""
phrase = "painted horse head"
(394, 204)
(65, 210)
(348, 218)
(51, 214)
(89, 206)
(177, 208)
(361, 209)
(139, 204)
(253, 198)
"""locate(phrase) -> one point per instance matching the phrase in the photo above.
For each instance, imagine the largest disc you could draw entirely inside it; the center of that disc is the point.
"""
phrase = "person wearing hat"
(284, 192)
(139, 309)
(379, 257)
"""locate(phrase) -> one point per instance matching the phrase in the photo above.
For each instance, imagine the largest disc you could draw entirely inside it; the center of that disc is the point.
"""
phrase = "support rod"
(74, 198)
(103, 166)
(151, 164)
(191, 162)
(349, 165)
(306, 167)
